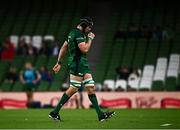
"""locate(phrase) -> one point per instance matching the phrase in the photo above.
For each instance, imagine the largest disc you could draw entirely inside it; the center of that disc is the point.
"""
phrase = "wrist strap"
(90, 38)
(59, 62)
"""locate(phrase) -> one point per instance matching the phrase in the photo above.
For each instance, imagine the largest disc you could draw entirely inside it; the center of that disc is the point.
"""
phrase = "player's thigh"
(89, 83)
(87, 76)
(75, 84)
(77, 78)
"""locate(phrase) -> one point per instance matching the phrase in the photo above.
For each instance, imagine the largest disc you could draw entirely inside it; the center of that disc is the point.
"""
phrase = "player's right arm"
(85, 46)
(62, 53)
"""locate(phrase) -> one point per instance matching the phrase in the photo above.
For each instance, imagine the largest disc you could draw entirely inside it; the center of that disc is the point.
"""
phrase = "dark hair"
(86, 21)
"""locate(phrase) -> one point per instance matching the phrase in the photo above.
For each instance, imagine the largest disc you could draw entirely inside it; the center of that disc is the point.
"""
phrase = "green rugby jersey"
(77, 61)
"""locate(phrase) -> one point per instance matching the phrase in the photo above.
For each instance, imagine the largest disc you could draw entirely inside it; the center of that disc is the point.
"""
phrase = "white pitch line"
(166, 124)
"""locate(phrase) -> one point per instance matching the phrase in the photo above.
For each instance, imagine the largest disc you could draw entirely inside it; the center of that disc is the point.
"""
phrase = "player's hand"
(56, 68)
(35, 81)
(91, 36)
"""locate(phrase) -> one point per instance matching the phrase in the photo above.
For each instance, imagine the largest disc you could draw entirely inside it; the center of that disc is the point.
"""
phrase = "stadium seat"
(147, 77)
(41, 61)
(110, 84)
(173, 67)
(160, 73)
(175, 57)
(14, 40)
(158, 85)
(49, 38)
(18, 87)
(6, 86)
(98, 86)
(37, 41)
(4, 67)
(134, 84)
(170, 84)
(44, 85)
(172, 72)
(31, 59)
(18, 62)
(145, 84)
(51, 62)
(122, 84)
(26, 38)
(160, 70)
(178, 83)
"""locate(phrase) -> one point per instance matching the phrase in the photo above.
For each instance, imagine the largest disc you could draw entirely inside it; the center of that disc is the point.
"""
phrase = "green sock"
(63, 100)
(94, 101)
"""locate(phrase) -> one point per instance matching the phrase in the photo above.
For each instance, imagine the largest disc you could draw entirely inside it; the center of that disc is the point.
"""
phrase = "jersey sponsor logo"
(80, 38)
(69, 37)
(80, 74)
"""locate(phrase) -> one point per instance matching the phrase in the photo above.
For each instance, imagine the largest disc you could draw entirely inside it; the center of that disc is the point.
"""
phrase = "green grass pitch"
(86, 119)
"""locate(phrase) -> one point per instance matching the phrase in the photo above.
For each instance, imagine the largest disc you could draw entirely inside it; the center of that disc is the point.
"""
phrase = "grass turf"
(83, 119)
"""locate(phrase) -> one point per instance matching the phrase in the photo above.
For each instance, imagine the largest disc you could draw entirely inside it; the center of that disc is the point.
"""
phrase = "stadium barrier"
(106, 99)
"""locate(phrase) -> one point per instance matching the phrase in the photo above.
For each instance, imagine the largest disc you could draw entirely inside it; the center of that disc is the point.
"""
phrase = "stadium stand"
(128, 52)
(155, 52)
(140, 53)
(116, 57)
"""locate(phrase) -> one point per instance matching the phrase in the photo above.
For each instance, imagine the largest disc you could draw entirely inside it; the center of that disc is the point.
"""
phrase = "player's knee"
(75, 85)
(90, 89)
(70, 91)
(89, 84)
